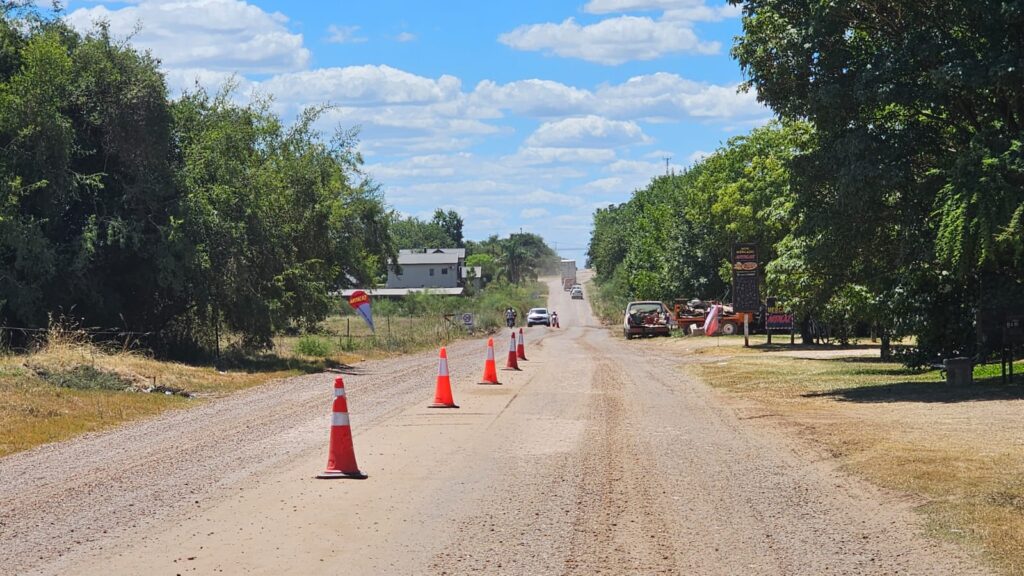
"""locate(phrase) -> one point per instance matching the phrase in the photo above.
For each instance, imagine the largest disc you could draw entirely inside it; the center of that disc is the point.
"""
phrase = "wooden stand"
(746, 330)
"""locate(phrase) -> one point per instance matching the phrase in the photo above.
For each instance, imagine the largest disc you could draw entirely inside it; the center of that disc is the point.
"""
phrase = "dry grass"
(34, 411)
(960, 449)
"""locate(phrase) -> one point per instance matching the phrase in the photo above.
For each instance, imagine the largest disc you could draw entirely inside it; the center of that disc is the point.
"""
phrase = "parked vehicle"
(646, 318)
(538, 316)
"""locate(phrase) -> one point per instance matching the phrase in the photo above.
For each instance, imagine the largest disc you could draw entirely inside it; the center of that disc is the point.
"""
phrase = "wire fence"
(20, 338)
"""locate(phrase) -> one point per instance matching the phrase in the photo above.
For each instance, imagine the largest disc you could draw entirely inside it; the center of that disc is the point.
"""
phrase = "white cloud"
(664, 96)
(688, 10)
(344, 35)
(636, 167)
(603, 186)
(697, 156)
(530, 213)
(217, 35)
(546, 155)
(405, 37)
(587, 132)
(612, 41)
(660, 97)
(361, 86)
(536, 98)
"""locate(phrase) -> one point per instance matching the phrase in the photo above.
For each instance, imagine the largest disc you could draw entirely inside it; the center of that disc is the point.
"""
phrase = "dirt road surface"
(599, 457)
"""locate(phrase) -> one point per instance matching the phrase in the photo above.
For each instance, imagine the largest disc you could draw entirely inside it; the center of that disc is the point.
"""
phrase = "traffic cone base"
(328, 474)
(442, 406)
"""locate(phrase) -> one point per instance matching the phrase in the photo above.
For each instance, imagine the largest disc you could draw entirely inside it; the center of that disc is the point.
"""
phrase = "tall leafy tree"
(88, 191)
(917, 179)
(451, 223)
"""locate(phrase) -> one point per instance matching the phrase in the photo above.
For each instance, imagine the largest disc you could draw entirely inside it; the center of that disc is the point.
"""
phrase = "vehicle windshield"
(539, 311)
(645, 308)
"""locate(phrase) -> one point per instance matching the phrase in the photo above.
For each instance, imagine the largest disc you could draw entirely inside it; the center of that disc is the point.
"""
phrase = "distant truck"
(568, 270)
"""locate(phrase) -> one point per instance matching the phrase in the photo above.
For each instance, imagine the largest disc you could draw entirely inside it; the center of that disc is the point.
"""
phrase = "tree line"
(180, 220)
(889, 192)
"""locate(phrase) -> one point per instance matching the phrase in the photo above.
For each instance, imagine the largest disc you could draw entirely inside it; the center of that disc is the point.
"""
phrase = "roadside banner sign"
(777, 318)
(711, 322)
(360, 302)
(467, 319)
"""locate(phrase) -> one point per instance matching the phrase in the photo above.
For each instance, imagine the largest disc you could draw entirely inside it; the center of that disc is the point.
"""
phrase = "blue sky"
(526, 114)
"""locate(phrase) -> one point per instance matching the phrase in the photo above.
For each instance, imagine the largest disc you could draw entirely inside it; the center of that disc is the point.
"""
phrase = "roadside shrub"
(315, 346)
(610, 297)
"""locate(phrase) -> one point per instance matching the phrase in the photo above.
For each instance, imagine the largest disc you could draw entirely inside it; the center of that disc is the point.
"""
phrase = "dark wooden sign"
(746, 293)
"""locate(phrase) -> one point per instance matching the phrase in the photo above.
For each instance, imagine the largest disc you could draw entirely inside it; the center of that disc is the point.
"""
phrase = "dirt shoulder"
(957, 452)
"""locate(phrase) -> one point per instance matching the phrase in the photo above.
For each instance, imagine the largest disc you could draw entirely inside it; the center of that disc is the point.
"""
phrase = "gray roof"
(460, 252)
(405, 291)
(428, 258)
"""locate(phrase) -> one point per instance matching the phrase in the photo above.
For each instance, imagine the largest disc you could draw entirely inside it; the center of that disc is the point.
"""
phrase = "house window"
(444, 271)
(431, 271)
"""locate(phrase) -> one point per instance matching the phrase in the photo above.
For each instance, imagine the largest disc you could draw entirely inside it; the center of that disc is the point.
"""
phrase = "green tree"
(451, 223)
(275, 216)
(412, 233)
(918, 166)
(87, 191)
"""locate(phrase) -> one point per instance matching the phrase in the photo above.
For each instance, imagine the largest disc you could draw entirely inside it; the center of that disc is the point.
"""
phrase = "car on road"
(646, 318)
(576, 294)
(538, 316)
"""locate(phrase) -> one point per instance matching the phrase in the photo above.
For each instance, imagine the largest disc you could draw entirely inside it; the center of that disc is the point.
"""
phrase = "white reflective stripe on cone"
(339, 419)
(442, 368)
(490, 353)
(339, 392)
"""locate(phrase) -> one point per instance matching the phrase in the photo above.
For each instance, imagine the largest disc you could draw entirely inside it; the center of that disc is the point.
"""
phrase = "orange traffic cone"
(512, 363)
(521, 347)
(490, 368)
(443, 394)
(341, 458)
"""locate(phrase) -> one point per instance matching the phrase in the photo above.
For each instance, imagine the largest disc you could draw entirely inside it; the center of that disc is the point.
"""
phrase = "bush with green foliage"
(313, 345)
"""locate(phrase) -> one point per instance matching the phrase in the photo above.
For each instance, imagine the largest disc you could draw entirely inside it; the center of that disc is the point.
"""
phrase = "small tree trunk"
(886, 346)
(805, 330)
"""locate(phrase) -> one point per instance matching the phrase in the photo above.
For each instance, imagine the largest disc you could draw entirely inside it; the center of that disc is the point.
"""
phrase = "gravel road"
(599, 457)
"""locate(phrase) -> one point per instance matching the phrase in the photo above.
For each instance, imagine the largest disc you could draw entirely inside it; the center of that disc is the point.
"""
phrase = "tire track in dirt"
(618, 525)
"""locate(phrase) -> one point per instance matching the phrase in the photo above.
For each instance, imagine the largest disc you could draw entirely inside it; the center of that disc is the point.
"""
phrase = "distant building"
(431, 268)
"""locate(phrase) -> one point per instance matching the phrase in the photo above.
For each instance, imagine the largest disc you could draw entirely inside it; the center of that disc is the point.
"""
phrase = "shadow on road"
(988, 389)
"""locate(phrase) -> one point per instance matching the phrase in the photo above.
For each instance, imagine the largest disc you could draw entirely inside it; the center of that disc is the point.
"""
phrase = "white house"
(432, 268)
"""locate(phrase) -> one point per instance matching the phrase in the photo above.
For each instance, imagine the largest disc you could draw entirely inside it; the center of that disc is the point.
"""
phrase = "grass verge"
(959, 448)
(67, 388)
